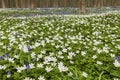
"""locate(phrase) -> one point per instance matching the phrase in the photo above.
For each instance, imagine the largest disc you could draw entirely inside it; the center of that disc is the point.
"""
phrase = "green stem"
(101, 75)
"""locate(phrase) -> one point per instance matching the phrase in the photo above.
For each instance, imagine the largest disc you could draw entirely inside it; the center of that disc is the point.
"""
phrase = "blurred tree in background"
(80, 4)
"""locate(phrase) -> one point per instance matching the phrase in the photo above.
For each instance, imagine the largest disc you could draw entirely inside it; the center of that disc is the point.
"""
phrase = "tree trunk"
(3, 3)
(32, 3)
(65, 3)
(99, 3)
(55, 4)
(16, 3)
(102, 3)
(81, 7)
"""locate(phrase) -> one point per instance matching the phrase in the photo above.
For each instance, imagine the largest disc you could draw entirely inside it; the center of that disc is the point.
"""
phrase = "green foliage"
(73, 47)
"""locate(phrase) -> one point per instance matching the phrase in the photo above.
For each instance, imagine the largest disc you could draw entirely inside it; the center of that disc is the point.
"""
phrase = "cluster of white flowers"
(61, 67)
(57, 44)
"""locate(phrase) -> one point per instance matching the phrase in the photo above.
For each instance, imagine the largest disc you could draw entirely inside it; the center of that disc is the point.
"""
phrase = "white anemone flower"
(100, 63)
(40, 65)
(11, 60)
(83, 53)
(64, 50)
(33, 55)
(94, 56)
(27, 78)
(61, 67)
(48, 69)
(16, 56)
(2, 67)
(41, 78)
(85, 74)
(32, 65)
(116, 63)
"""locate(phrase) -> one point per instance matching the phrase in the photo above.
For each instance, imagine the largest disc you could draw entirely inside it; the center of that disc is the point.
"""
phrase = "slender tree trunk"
(3, 3)
(65, 2)
(20, 2)
(102, 3)
(81, 7)
(32, 3)
(23, 3)
(89, 3)
(114, 3)
(16, 3)
(55, 4)
(99, 3)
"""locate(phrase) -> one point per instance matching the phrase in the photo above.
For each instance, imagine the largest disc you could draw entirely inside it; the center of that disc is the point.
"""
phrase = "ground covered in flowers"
(60, 48)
